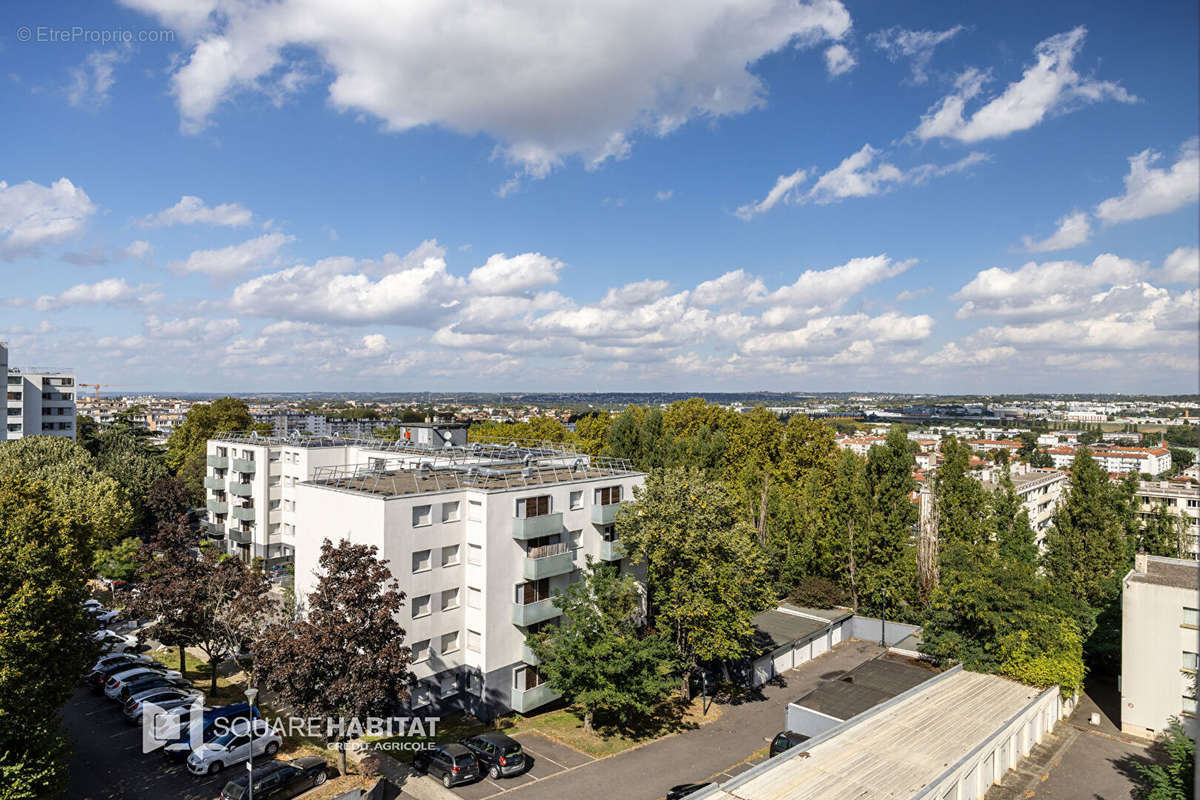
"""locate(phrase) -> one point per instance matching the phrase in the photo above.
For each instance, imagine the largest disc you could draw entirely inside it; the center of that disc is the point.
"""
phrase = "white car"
(233, 747)
(104, 616)
(112, 689)
(138, 659)
(92, 604)
(112, 642)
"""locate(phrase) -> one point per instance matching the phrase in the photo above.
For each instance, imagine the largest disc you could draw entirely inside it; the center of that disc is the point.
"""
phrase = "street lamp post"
(250, 695)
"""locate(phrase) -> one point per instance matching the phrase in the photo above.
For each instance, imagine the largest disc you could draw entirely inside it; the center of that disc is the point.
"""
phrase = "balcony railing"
(611, 551)
(241, 465)
(525, 528)
(220, 462)
(240, 489)
(213, 530)
(528, 657)
(533, 613)
(605, 515)
(245, 514)
(240, 537)
(218, 506)
(548, 561)
(525, 700)
(214, 483)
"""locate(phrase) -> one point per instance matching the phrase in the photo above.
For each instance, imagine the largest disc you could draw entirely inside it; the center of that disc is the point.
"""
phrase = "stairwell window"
(420, 606)
(450, 512)
(474, 598)
(420, 651)
(474, 641)
(576, 500)
(422, 516)
(450, 599)
(450, 556)
(421, 561)
(449, 643)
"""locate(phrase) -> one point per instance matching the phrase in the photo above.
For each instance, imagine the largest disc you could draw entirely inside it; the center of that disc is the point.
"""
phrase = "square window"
(420, 606)
(474, 641)
(449, 643)
(474, 555)
(1190, 660)
(420, 650)
(422, 516)
(474, 598)
(576, 500)
(450, 599)
(474, 511)
(1189, 705)
(1191, 617)
(450, 512)
(450, 555)
(421, 561)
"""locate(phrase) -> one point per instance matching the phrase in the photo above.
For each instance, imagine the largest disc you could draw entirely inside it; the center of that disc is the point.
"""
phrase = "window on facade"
(533, 506)
(474, 641)
(450, 599)
(420, 650)
(474, 598)
(533, 591)
(474, 555)
(420, 606)
(247, 455)
(608, 495)
(574, 539)
(421, 516)
(608, 533)
(1189, 661)
(1191, 617)
(527, 677)
(449, 642)
(576, 500)
(450, 512)
(421, 561)
(1189, 705)
(450, 555)
(474, 511)
(222, 452)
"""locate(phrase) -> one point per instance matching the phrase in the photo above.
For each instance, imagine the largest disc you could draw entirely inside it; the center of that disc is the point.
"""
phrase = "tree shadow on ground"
(671, 716)
(1131, 767)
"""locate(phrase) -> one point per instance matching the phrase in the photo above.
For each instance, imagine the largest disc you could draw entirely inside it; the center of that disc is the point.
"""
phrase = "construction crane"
(97, 387)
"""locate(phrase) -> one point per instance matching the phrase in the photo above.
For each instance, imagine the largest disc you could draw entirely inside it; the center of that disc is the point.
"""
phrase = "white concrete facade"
(1181, 499)
(38, 402)
(1160, 640)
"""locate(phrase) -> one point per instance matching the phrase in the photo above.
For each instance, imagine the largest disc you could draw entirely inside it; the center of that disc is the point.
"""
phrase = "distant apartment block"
(1160, 643)
(323, 425)
(860, 444)
(1150, 460)
(37, 401)
(989, 445)
(1181, 498)
(1041, 490)
(480, 538)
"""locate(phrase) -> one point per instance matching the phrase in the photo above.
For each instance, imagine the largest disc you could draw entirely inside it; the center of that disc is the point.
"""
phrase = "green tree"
(87, 431)
(1041, 460)
(598, 657)
(1016, 542)
(119, 562)
(1162, 534)
(45, 561)
(887, 575)
(186, 449)
(705, 576)
(963, 531)
(126, 455)
(1173, 778)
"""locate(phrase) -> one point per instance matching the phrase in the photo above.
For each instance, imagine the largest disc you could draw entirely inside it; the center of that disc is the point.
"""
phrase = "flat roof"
(894, 753)
(866, 686)
(775, 628)
(1161, 571)
(396, 483)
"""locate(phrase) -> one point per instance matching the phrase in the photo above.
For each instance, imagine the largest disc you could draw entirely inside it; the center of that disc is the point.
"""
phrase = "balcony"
(240, 489)
(605, 515)
(212, 530)
(611, 551)
(220, 462)
(245, 514)
(525, 528)
(214, 483)
(526, 700)
(546, 562)
(533, 613)
(528, 657)
(241, 465)
(240, 537)
(218, 506)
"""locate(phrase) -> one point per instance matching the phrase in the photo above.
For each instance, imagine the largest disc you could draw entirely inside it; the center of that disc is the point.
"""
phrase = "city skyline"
(776, 196)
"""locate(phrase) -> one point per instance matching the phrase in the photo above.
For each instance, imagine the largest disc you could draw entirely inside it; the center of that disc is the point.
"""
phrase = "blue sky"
(674, 196)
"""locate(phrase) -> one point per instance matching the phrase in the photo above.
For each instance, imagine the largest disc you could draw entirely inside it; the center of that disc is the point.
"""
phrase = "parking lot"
(108, 762)
(545, 757)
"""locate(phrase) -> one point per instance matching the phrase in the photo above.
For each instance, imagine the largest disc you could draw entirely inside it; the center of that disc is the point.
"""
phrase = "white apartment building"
(4, 396)
(480, 539)
(1160, 643)
(1150, 460)
(1181, 498)
(38, 402)
(1041, 490)
(860, 444)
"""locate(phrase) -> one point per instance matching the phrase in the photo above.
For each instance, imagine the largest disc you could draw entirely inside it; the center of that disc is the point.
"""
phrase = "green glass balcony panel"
(245, 514)
(605, 515)
(240, 489)
(220, 462)
(525, 528)
(240, 537)
(241, 465)
(218, 507)
(533, 613)
(214, 483)
(528, 657)
(526, 700)
(611, 551)
(548, 566)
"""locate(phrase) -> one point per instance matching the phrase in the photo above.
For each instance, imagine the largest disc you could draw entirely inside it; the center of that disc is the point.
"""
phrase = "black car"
(498, 755)
(98, 677)
(686, 790)
(276, 780)
(785, 740)
(150, 680)
(453, 763)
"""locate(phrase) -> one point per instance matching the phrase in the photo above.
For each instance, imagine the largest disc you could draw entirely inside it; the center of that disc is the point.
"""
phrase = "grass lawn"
(230, 688)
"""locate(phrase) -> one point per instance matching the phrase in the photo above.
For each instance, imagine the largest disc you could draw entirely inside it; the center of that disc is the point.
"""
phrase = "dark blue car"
(216, 721)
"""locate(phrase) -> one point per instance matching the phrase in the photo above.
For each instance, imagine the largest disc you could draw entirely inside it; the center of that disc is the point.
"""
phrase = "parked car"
(113, 642)
(233, 747)
(150, 681)
(166, 699)
(686, 790)
(277, 780)
(453, 763)
(98, 677)
(91, 604)
(785, 740)
(103, 616)
(114, 683)
(215, 722)
(498, 755)
(113, 659)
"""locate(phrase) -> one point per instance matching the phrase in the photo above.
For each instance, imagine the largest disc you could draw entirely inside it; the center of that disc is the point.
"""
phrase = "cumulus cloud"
(109, 292)
(502, 275)
(838, 60)
(32, 215)
(826, 334)
(1150, 191)
(513, 72)
(234, 260)
(1072, 231)
(1182, 266)
(1049, 86)
(916, 46)
(191, 210)
(1042, 289)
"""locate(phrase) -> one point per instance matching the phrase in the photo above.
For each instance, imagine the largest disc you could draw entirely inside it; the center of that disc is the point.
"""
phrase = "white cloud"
(191, 210)
(785, 190)
(1182, 266)
(501, 275)
(820, 291)
(32, 215)
(1072, 231)
(1049, 86)
(139, 248)
(838, 60)
(228, 262)
(952, 355)
(92, 80)
(1049, 288)
(546, 81)
(827, 334)
(1150, 191)
(665, 194)
(734, 288)
(917, 46)
(110, 291)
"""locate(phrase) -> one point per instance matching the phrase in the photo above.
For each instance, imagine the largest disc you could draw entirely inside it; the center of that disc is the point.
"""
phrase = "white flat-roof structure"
(951, 737)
